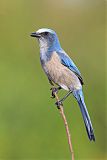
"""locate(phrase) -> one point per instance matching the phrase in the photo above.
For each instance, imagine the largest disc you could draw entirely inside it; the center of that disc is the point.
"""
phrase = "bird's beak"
(35, 34)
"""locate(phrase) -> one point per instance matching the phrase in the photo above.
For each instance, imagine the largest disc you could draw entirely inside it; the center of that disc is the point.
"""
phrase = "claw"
(53, 96)
(58, 104)
(54, 90)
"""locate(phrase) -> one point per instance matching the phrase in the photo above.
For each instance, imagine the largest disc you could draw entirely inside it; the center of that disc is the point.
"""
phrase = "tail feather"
(80, 98)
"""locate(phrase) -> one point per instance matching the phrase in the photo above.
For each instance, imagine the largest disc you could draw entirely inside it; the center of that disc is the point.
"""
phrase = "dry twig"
(61, 110)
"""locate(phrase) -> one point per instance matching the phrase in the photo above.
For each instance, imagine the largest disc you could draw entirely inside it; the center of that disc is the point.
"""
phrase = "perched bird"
(61, 70)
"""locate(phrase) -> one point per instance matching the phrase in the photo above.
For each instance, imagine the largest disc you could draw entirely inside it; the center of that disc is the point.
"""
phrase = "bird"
(62, 71)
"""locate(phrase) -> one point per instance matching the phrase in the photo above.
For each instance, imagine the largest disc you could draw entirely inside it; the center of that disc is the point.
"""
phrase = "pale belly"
(61, 75)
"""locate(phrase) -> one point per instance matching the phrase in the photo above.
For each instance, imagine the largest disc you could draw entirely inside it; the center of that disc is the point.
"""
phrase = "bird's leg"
(58, 103)
(50, 82)
(54, 90)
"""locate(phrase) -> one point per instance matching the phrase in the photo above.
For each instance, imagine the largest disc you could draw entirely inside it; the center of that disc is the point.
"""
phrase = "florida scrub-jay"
(61, 70)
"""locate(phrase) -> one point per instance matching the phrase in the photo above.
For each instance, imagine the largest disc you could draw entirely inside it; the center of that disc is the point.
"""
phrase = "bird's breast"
(60, 74)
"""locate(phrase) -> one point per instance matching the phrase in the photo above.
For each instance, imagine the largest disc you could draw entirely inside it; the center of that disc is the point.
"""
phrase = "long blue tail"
(78, 94)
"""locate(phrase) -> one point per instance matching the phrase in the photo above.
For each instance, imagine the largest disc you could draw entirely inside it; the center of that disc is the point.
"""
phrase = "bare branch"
(61, 110)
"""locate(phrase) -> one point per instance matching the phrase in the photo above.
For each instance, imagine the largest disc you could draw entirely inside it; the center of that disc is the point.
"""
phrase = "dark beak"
(35, 34)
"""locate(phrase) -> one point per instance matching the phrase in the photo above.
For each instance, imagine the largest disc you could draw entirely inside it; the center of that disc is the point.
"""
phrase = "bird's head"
(47, 38)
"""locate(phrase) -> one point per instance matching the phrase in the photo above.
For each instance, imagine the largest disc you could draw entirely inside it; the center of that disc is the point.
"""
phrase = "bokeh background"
(30, 125)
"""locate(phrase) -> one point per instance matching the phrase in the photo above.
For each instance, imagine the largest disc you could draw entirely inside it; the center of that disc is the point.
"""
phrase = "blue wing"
(66, 61)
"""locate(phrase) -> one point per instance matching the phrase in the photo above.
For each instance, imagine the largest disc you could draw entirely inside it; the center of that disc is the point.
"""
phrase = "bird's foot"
(58, 104)
(54, 90)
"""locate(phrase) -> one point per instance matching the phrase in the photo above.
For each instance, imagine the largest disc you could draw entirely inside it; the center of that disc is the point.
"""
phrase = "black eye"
(45, 33)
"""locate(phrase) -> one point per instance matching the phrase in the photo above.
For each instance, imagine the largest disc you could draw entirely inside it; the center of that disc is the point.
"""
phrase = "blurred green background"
(30, 125)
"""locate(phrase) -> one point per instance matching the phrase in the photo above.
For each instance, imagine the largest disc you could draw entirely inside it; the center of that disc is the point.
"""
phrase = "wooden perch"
(61, 110)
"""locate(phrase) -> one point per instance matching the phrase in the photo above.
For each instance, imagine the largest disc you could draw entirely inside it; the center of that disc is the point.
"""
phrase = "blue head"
(48, 39)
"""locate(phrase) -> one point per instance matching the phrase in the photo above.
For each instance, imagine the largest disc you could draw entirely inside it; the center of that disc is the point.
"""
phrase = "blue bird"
(62, 71)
